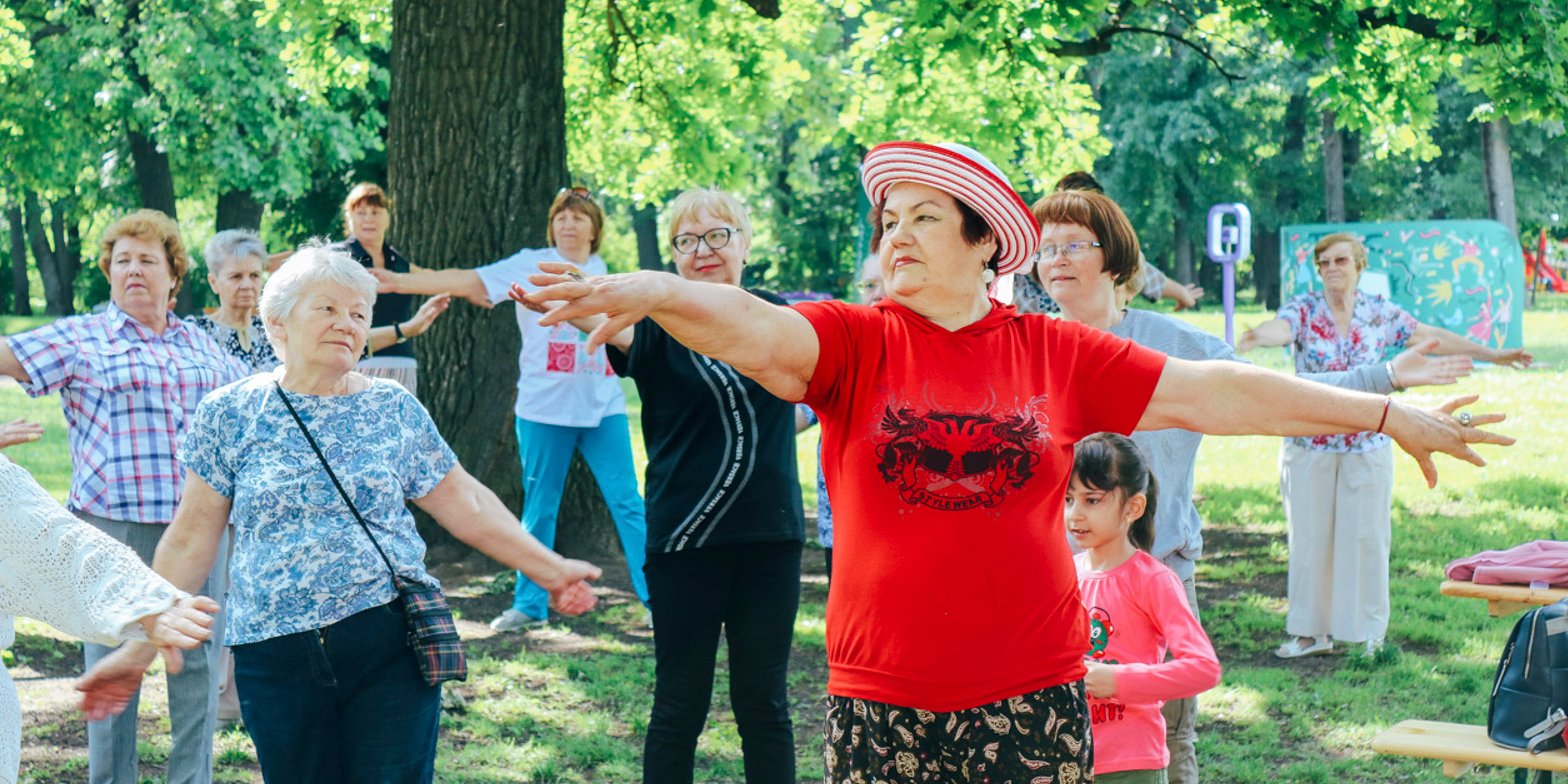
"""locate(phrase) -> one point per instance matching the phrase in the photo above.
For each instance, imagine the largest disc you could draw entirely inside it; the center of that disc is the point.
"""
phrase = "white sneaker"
(1373, 646)
(512, 620)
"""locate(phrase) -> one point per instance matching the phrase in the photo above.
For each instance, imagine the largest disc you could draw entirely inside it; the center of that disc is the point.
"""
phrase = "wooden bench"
(1460, 747)
(1503, 600)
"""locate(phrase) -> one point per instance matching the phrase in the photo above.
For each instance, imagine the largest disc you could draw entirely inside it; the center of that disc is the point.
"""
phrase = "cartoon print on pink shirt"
(1100, 631)
(951, 461)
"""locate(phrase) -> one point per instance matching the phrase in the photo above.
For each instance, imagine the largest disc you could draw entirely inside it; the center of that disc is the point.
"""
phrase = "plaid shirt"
(128, 395)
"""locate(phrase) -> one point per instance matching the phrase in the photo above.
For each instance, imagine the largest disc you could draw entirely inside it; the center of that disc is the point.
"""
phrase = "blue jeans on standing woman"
(345, 703)
(546, 452)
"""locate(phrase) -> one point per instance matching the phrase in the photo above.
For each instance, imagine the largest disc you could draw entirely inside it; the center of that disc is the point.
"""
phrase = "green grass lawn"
(569, 702)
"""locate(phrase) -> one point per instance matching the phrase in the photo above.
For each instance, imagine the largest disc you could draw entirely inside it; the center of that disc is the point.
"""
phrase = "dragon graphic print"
(955, 461)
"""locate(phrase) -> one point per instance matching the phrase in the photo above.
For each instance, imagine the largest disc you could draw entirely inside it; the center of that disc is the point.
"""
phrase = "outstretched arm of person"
(1232, 398)
(621, 340)
(381, 337)
(11, 366)
(1450, 343)
(458, 282)
(19, 431)
(184, 557)
(1274, 332)
(476, 516)
(773, 345)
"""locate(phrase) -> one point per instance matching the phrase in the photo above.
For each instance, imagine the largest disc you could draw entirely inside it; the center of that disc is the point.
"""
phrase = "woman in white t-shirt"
(567, 399)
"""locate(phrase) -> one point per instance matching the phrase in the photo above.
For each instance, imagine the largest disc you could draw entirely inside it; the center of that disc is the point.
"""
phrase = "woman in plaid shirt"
(129, 379)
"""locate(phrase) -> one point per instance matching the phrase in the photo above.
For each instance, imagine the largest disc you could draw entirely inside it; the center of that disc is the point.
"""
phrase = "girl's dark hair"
(1108, 462)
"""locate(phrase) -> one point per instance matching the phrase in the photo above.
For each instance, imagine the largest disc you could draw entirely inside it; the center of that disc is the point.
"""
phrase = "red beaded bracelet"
(1387, 401)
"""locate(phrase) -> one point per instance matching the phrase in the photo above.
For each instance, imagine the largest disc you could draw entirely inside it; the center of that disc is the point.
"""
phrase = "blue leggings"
(546, 452)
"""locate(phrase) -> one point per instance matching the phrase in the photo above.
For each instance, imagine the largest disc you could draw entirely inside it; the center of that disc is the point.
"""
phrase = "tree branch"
(1424, 26)
(767, 9)
(1101, 43)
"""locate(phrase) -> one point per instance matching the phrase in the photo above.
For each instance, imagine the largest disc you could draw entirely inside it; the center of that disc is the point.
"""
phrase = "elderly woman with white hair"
(329, 686)
(956, 641)
(236, 259)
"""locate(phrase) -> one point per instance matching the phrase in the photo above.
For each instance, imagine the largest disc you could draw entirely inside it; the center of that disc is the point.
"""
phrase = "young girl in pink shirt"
(1137, 613)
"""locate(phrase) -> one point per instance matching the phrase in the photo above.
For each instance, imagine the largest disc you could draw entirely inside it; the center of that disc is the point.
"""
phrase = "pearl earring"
(988, 276)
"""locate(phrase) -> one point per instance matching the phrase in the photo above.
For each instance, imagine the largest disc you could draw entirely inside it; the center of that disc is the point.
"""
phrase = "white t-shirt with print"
(558, 381)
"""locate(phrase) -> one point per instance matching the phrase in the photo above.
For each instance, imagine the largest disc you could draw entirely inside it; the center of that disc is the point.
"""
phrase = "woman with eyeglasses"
(1339, 489)
(955, 635)
(724, 516)
(1088, 259)
(568, 400)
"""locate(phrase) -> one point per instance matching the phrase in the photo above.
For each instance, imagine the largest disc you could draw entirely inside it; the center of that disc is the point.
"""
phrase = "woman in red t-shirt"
(956, 643)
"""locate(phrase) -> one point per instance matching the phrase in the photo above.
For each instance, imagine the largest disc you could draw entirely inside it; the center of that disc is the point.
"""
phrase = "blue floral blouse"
(1376, 327)
(301, 561)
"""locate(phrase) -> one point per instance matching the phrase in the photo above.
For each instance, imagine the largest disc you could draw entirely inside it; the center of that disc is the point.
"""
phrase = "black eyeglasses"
(686, 244)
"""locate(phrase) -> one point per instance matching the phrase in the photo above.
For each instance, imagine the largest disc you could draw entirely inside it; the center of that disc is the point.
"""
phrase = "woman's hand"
(184, 626)
(426, 315)
(387, 281)
(1100, 680)
(1414, 367)
(19, 431)
(624, 299)
(1421, 432)
(1516, 358)
(569, 591)
(107, 688)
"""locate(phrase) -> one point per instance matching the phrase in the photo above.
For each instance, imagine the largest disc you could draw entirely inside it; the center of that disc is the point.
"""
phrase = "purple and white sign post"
(1227, 244)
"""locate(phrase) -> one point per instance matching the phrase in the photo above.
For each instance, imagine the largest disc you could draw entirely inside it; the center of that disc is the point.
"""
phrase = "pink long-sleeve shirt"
(1137, 614)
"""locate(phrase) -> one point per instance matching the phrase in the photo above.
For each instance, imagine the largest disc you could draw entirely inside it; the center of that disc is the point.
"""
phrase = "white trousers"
(1338, 507)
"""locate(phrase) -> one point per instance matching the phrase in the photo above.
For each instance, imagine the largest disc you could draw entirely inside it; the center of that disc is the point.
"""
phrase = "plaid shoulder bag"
(432, 632)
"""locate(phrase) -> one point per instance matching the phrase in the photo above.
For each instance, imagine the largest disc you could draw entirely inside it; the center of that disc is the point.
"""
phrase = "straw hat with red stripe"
(969, 177)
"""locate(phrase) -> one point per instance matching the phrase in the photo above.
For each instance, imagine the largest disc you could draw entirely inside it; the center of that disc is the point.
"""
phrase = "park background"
(261, 114)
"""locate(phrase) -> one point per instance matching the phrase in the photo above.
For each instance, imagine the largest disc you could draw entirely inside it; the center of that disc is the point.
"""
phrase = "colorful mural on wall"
(1463, 275)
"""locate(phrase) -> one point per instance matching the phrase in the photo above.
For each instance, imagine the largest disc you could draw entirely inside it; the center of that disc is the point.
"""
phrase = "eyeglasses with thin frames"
(1072, 250)
(686, 244)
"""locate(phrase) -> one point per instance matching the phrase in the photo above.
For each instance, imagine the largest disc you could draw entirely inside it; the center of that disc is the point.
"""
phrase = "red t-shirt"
(947, 456)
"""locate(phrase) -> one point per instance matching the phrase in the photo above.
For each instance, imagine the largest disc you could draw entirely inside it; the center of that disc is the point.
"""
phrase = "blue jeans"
(343, 703)
(546, 452)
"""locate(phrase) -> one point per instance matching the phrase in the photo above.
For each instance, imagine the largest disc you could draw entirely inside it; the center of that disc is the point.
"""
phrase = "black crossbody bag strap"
(396, 584)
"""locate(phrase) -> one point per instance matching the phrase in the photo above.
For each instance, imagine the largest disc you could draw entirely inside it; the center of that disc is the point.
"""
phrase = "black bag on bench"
(1529, 709)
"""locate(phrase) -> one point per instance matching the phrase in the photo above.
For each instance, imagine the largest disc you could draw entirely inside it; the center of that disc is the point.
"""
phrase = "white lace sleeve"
(66, 573)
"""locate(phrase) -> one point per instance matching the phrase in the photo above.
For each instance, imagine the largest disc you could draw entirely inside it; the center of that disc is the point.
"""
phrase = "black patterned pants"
(1037, 738)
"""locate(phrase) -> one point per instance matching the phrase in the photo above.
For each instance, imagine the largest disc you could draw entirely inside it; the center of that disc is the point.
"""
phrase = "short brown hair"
(1097, 213)
(367, 193)
(1358, 249)
(971, 225)
(576, 200)
(151, 226)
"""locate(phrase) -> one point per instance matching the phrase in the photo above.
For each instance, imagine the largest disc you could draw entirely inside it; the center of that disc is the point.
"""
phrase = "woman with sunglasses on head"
(956, 638)
(1339, 489)
(724, 517)
(1088, 257)
(567, 399)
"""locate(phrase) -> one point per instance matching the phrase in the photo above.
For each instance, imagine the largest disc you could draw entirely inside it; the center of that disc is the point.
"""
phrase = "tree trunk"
(1333, 171)
(645, 224)
(22, 303)
(1499, 167)
(1181, 245)
(67, 250)
(58, 299)
(239, 209)
(476, 148)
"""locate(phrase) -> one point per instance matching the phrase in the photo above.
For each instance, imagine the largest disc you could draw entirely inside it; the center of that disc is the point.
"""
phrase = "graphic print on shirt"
(1100, 631)
(566, 355)
(740, 445)
(954, 461)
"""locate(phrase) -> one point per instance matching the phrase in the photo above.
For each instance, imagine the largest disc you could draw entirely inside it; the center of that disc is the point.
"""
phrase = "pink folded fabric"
(1539, 561)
